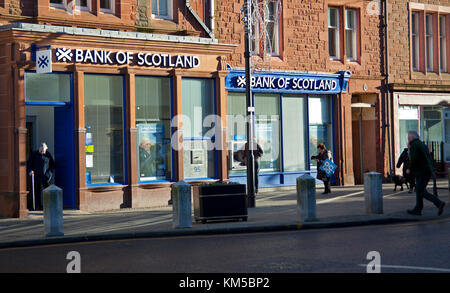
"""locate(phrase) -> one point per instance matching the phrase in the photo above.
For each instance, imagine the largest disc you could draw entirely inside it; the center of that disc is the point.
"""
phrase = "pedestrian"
(41, 165)
(322, 154)
(257, 154)
(404, 160)
(421, 167)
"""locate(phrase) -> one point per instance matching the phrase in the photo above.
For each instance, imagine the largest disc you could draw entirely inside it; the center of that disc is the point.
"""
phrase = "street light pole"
(250, 109)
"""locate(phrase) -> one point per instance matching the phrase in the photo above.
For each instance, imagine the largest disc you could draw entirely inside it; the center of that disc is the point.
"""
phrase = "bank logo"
(63, 54)
(241, 81)
(43, 61)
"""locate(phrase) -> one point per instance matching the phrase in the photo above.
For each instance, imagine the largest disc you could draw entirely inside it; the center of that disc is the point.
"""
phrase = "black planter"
(220, 202)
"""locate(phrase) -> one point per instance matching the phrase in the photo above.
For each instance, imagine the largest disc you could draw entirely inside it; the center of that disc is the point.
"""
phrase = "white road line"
(411, 268)
(339, 197)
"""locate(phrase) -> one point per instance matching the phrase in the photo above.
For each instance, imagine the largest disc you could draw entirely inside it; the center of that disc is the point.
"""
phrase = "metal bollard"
(373, 193)
(182, 205)
(53, 211)
(306, 198)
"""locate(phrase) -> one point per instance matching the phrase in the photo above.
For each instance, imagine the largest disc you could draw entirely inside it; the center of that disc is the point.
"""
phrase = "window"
(267, 131)
(199, 155)
(236, 124)
(320, 123)
(271, 23)
(84, 5)
(442, 43)
(107, 5)
(58, 3)
(154, 152)
(333, 33)
(59, 91)
(103, 109)
(408, 120)
(162, 9)
(432, 124)
(350, 34)
(415, 40)
(295, 138)
(429, 41)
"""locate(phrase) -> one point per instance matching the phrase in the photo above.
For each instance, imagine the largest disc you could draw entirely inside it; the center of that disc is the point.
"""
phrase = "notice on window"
(89, 161)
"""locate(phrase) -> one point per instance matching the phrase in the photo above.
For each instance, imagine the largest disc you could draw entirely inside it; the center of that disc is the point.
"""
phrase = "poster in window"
(151, 152)
(265, 138)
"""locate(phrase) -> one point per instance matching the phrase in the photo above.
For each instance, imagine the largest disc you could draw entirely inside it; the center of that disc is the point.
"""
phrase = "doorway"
(364, 135)
(53, 124)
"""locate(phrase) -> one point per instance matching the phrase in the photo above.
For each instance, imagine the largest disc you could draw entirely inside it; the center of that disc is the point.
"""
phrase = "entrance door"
(64, 153)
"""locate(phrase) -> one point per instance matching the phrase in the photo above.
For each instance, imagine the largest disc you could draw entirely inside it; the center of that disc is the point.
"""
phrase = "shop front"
(429, 115)
(110, 114)
(294, 112)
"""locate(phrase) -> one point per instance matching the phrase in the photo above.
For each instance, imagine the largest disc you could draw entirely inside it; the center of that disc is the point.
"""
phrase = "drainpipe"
(388, 127)
(209, 31)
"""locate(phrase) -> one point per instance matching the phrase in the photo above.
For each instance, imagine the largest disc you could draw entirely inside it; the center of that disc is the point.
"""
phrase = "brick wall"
(399, 47)
(304, 36)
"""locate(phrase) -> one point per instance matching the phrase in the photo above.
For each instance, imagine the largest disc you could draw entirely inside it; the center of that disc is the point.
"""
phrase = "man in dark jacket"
(41, 165)
(421, 166)
(404, 160)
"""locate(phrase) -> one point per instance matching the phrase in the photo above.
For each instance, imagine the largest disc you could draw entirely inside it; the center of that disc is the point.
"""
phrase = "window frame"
(88, 6)
(415, 44)
(443, 60)
(429, 39)
(111, 10)
(337, 30)
(275, 51)
(169, 10)
(354, 33)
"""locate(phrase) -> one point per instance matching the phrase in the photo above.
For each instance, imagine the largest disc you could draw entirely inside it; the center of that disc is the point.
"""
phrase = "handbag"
(328, 167)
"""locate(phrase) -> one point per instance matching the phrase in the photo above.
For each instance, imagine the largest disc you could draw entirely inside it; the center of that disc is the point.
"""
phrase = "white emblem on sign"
(64, 54)
(44, 61)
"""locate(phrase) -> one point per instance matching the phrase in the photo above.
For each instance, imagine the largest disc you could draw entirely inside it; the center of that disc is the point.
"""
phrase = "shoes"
(441, 208)
(414, 212)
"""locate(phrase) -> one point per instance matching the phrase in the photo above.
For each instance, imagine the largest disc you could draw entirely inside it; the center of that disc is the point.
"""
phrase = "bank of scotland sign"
(290, 82)
(44, 61)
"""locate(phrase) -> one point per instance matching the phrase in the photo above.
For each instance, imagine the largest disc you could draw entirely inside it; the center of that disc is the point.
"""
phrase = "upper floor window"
(415, 40)
(107, 6)
(271, 23)
(162, 9)
(83, 5)
(58, 3)
(429, 41)
(333, 33)
(442, 43)
(350, 34)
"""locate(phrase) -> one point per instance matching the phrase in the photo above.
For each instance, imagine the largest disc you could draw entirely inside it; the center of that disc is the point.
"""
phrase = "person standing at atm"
(41, 165)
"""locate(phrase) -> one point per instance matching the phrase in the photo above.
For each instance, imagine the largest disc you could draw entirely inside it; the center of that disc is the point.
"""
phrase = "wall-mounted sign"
(288, 82)
(105, 57)
(44, 61)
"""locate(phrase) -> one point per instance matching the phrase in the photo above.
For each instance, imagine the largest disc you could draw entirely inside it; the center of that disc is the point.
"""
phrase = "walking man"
(40, 164)
(421, 166)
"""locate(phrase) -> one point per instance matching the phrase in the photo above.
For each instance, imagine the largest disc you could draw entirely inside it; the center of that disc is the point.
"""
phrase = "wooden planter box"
(220, 202)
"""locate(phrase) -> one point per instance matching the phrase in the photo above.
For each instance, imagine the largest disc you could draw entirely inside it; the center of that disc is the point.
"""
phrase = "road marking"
(339, 197)
(411, 268)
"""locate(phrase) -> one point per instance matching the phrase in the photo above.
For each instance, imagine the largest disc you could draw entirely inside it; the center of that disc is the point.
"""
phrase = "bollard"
(306, 198)
(373, 193)
(181, 204)
(53, 211)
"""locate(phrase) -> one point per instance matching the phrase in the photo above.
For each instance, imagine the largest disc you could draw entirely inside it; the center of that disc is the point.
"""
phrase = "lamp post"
(250, 108)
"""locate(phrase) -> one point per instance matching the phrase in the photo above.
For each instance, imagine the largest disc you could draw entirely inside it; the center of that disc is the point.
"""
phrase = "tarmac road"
(404, 248)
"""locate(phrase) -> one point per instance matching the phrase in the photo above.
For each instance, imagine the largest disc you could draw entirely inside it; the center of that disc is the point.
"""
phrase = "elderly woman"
(41, 165)
(322, 155)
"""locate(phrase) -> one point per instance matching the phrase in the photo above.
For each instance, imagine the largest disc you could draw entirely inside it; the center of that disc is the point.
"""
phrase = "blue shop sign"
(287, 82)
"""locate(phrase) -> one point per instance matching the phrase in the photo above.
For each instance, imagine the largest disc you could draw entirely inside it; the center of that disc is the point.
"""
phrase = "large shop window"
(199, 155)
(154, 153)
(408, 120)
(432, 124)
(103, 106)
(237, 129)
(59, 91)
(320, 123)
(267, 130)
(295, 138)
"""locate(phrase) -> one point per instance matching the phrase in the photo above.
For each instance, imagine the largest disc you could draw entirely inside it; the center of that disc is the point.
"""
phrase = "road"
(413, 247)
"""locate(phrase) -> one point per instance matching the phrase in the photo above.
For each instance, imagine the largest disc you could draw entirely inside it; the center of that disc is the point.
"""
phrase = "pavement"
(276, 210)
